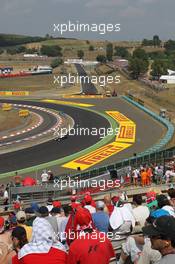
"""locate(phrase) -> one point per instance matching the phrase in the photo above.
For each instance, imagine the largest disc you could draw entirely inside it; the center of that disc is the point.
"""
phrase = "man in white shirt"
(44, 177)
(141, 212)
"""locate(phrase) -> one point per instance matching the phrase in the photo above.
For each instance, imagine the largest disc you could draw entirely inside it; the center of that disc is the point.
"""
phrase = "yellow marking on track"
(96, 156)
(67, 103)
(83, 96)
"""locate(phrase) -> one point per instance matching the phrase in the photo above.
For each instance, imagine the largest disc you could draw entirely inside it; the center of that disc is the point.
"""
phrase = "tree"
(159, 68)
(56, 62)
(137, 67)
(51, 51)
(109, 51)
(147, 42)
(140, 54)
(156, 41)
(91, 48)
(101, 58)
(80, 54)
(121, 52)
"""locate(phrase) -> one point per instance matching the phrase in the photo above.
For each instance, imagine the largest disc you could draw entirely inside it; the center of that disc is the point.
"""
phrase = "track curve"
(52, 150)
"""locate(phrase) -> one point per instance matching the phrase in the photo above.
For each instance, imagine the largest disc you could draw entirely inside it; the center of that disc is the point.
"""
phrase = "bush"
(56, 62)
(51, 51)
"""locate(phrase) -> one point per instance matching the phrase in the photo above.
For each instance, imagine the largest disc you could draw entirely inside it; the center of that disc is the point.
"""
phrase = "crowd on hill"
(82, 231)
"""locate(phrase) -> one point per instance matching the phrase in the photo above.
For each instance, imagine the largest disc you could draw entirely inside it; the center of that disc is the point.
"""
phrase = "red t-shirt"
(54, 256)
(90, 250)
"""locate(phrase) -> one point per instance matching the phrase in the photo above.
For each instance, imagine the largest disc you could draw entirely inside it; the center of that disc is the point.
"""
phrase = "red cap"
(83, 217)
(1, 222)
(56, 204)
(75, 205)
(88, 198)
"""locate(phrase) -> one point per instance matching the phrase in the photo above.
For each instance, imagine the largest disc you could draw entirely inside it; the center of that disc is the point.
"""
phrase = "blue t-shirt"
(101, 221)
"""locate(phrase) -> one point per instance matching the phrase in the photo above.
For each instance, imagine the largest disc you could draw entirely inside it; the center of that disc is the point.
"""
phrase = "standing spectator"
(141, 212)
(159, 175)
(44, 177)
(162, 235)
(144, 177)
(6, 198)
(17, 180)
(100, 218)
(49, 204)
(135, 176)
(88, 247)
(51, 176)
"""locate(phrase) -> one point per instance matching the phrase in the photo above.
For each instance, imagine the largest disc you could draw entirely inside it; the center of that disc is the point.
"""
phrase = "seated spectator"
(43, 248)
(100, 218)
(141, 212)
(50, 204)
(44, 213)
(162, 235)
(5, 242)
(89, 247)
(30, 216)
(19, 239)
(171, 193)
(88, 204)
(122, 218)
(164, 203)
(21, 221)
(109, 207)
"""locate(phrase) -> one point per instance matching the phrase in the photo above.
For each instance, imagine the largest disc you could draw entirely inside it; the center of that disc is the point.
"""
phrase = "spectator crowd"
(83, 231)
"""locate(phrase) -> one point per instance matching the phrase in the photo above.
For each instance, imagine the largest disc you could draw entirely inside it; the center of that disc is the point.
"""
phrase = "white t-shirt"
(91, 209)
(44, 177)
(141, 213)
(6, 195)
(169, 209)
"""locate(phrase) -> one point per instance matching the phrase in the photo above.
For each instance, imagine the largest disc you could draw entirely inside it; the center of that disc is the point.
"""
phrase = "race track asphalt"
(52, 150)
(48, 122)
(87, 88)
(149, 132)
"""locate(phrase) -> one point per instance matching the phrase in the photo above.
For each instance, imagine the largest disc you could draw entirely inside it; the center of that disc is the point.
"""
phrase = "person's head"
(43, 211)
(19, 237)
(50, 201)
(2, 224)
(100, 205)
(162, 234)
(83, 218)
(29, 213)
(171, 194)
(88, 199)
(162, 200)
(137, 199)
(55, 211)
(67, 209)
(21, 217)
